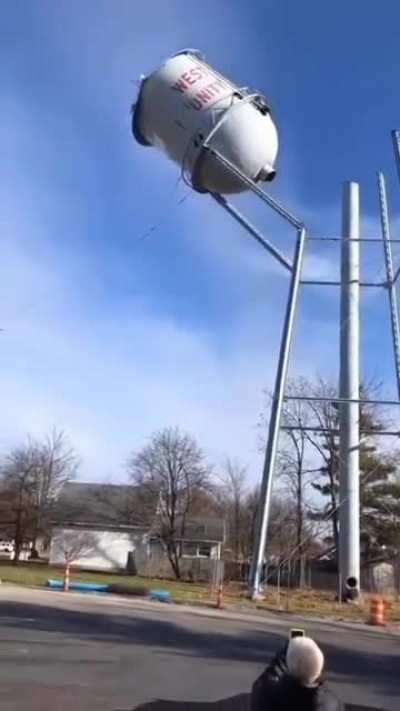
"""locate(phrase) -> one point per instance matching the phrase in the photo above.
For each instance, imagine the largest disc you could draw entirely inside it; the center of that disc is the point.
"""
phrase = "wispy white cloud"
(86, 345)
(110, 377)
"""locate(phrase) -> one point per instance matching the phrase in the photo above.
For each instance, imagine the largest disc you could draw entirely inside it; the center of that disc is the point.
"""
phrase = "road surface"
(68, 652)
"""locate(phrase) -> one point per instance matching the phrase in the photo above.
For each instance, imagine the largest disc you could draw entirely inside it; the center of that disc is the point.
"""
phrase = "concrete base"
(258, 597)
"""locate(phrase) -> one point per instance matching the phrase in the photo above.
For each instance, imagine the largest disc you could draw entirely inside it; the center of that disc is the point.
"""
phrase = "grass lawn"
(36, 574)
(317, 603)
(306, 602)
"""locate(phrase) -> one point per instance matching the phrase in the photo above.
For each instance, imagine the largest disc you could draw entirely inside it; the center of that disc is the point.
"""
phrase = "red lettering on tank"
(179, 85)
(196, 73)
(196, 104)
(204, 95)
(188, 79)
(217, 86)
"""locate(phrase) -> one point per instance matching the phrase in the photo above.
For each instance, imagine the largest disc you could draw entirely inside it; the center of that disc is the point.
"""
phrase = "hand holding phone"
(295, 632)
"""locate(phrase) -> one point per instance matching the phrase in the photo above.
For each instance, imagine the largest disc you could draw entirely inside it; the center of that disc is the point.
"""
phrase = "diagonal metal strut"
(252, 230)
(274, 204)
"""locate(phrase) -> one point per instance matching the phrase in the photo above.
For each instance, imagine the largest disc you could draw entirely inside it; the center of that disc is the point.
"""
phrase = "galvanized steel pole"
(396, 148)
(275, 420)
(349, 489)
(387, 248)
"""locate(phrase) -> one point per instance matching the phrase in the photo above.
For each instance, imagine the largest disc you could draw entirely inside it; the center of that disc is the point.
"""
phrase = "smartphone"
(296, 633)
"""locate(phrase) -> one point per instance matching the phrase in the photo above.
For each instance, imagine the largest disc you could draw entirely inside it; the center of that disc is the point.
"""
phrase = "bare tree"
(31, 478)
(296, 463)
(310, 459)
(18, 476)
(249, 516)
(58, 464)
(324, 415)
(234, 493)
(282, 530)
(72, 545)
(168, 472)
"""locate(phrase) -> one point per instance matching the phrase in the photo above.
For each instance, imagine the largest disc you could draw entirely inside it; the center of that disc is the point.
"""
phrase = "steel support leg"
(275, 420)
(394, 313)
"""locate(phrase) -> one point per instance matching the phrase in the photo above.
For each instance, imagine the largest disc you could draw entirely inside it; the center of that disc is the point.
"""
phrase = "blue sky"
(126, 309)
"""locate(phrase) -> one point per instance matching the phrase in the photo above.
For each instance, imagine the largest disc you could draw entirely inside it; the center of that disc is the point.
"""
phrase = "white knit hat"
(305, 660)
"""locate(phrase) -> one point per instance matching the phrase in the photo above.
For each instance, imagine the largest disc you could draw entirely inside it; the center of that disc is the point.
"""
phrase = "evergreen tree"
(379, 485)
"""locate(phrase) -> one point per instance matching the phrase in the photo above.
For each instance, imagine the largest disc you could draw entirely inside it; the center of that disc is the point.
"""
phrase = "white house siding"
(109, 551)
(193, 567)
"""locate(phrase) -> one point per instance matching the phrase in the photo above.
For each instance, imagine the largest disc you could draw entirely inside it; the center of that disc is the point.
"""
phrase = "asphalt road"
(81, 653)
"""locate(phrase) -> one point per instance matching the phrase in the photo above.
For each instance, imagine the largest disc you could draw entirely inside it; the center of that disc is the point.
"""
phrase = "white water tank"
(186, 107)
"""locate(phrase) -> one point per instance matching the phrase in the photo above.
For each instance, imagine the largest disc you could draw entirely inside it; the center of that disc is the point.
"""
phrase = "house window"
(196, 550)
(189, 549)
(204, 550)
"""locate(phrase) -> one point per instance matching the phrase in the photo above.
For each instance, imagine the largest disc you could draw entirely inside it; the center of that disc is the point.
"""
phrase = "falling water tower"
(186, 108)
(224, 141)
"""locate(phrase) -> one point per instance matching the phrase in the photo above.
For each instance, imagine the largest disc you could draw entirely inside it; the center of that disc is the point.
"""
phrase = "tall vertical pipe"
(349, 429)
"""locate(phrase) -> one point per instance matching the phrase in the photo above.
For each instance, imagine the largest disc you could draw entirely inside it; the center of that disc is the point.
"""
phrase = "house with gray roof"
(120, 528)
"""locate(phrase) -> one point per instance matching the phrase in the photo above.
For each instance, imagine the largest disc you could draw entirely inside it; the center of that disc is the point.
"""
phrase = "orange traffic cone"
(377, 611)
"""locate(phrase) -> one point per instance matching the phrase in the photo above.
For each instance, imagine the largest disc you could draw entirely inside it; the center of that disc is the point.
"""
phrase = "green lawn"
(305, 602)
(36, 574)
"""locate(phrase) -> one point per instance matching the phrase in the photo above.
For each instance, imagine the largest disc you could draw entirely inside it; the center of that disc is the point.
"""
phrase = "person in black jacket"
(292, 682)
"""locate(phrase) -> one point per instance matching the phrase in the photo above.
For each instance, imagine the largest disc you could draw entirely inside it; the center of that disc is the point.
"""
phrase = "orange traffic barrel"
(377, 611)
